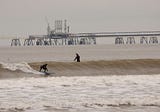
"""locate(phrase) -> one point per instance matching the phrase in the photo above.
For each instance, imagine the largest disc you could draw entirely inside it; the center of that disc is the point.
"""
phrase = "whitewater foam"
(89, 94)
(22, 66)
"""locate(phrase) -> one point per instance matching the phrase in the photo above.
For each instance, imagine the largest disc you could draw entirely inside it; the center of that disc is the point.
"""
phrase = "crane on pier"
(48, 27)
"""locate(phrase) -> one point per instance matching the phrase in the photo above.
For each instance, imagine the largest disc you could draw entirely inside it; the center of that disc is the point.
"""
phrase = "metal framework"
(15, 42)
(60, 35)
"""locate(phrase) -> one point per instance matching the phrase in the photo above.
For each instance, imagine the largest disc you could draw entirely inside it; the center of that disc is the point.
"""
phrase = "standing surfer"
(77, 57)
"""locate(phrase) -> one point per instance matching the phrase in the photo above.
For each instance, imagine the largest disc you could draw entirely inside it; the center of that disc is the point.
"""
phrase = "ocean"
(78, 94)
(109, 78)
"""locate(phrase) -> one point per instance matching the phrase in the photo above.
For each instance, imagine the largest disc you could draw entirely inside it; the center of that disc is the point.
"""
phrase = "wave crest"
(103, 67)
(23, 66)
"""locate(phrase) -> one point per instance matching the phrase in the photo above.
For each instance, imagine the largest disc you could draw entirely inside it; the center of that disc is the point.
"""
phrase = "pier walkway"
(146, 37)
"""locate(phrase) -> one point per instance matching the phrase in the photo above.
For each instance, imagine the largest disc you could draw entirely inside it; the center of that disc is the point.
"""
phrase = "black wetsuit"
(43, 67)
(77, 58)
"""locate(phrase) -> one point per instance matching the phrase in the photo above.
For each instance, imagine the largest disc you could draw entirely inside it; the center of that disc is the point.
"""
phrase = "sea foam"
(22, 66)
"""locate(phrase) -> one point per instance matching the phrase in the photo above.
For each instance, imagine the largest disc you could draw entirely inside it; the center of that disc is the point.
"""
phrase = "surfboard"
(46, 73)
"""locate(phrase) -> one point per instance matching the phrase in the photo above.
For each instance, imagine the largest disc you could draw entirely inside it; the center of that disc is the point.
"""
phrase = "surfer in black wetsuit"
(43, 67)
(77, 57)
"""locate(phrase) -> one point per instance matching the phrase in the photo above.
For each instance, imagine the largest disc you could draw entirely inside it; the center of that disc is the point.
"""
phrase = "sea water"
(113, 93)
(129, 93)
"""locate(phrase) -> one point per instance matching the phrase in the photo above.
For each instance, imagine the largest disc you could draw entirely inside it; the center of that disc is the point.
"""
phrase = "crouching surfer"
(44, 68)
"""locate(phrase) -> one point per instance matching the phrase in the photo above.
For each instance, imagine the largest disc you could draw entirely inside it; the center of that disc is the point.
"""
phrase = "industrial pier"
(60, 35)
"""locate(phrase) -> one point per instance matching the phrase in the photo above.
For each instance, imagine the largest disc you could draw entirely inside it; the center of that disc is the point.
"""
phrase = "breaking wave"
(103, 67)
(24, 67)
(86, 68)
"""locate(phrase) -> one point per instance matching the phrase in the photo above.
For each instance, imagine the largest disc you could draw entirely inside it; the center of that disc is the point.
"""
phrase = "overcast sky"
(25, 17)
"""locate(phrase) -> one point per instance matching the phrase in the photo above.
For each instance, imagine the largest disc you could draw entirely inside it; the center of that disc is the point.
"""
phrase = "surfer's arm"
(75, 58)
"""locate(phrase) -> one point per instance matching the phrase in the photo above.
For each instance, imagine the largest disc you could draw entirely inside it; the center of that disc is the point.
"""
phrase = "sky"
(27, 17)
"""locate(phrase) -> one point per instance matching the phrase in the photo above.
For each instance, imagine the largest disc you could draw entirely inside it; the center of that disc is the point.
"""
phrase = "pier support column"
(119, 40)
(50, 41)
(15, 42)
(28, 42)
(94, 40)
(40, 42)
(130, 40)
(78, 40)
(153, 40)
(55, 42)
(143, 40)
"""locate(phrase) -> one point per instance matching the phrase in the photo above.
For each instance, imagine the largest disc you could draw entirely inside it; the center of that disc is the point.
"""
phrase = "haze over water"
(25, 17)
